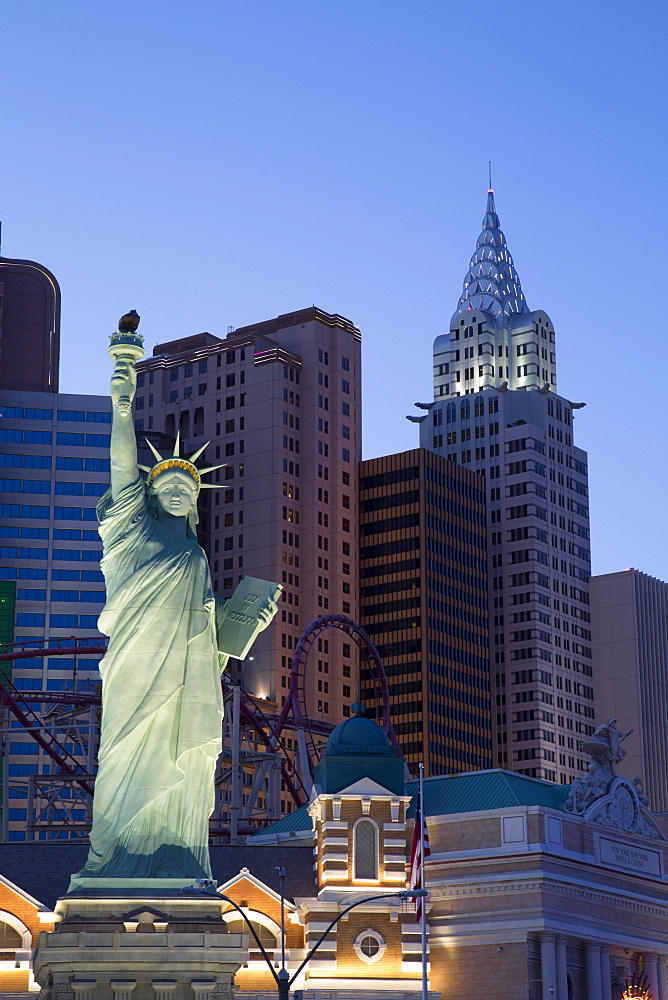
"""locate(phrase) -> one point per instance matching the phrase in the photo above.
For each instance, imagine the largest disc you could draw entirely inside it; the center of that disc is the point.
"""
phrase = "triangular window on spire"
(501, 293)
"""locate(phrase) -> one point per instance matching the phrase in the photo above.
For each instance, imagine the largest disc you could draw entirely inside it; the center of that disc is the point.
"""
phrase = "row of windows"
(457, 632)
(26, 413)
(454, 531)
(24, 532)
(62, 663)
(463, 756)
(35, 512)
(461, 614)
(465, 435)
(61, 488)
(72, 463)
(447, 590)
(463, 736)
(389, 478)
(10, 436)
(202, 366)
(441, 569)
(390, 524)
(82, 596)
(80, 416)
(14, 461)
(25, 486)
(388, 569)
(69, 555)
(448, 710)
(38, 573)
(27, 620)
(466, 659)
(387, 607)
(83, 440)
(454, 485)
(59, 534)
(457, 556)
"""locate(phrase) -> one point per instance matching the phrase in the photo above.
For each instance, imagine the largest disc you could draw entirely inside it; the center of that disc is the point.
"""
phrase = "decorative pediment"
(622, 809)
(145, 915)
(246, 875)
(366, 786)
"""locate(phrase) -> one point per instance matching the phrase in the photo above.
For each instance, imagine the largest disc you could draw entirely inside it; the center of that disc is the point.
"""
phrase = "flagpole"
(423, 901)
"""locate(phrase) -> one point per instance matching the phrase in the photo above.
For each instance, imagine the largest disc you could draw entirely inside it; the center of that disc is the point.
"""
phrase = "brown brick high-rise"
(423, 601)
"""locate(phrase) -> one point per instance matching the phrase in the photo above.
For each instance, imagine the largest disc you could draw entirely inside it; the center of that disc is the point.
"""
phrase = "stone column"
(661, 977)
(83, 988)
(548, 964)
(593, 970)
(562, 973)
(203, 988)
(606, 978)
(163, 988)
(649, 959)
(123, 988)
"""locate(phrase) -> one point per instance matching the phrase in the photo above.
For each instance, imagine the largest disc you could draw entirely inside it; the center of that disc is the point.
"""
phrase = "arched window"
(451, 413)
(235, 925)
(9, 937)
(365, 849)
(13, 932)
(465, 410)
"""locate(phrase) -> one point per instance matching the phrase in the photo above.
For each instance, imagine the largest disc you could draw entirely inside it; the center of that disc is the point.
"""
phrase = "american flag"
(419, 850)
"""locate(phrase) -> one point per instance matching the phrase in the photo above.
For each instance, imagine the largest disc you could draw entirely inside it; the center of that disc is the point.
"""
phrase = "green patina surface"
(458, 793)
(481, 790)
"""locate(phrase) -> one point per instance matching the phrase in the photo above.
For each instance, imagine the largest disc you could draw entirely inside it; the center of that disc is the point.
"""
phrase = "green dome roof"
(358, 736)
(357, 749)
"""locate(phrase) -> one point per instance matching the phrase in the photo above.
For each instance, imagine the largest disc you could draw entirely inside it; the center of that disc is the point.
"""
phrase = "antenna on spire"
(490, 190)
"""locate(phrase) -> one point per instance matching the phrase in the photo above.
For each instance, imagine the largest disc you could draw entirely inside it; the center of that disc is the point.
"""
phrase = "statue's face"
(176, 492)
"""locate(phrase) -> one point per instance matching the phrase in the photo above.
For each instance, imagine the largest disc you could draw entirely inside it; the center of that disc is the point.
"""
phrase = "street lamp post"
(282, 978)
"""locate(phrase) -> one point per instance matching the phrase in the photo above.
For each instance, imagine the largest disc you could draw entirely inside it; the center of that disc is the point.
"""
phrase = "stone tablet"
(242, 621)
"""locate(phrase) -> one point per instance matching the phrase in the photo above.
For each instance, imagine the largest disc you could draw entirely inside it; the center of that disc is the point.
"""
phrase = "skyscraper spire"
(492, 283)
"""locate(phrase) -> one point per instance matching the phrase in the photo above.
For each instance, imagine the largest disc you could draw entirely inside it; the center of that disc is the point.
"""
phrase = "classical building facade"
(536, 890)
(629, 620)
(496, 411)
(423, 601)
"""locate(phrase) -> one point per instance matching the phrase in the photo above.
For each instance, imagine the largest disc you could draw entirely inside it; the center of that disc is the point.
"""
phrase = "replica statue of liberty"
(161, 694)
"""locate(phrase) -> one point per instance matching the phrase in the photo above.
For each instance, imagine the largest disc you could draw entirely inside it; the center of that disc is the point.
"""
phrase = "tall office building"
(280, 403)
(29, 326)
(496, 411)
(423, 601)
(629, 624)
(54, 466)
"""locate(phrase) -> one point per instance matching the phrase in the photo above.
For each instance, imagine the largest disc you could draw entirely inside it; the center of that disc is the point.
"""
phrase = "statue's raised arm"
(124, 469)
(126, 348)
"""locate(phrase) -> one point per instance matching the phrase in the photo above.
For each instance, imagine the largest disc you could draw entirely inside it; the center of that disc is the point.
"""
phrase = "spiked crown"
(179, 464)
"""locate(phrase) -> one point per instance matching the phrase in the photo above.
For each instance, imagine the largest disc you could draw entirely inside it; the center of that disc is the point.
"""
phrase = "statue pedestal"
(139, 945)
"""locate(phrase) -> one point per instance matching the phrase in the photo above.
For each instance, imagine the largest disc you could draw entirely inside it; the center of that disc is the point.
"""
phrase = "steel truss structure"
(267, 757)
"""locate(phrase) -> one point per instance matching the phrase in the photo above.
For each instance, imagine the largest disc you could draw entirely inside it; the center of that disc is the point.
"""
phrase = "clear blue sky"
(218, 163)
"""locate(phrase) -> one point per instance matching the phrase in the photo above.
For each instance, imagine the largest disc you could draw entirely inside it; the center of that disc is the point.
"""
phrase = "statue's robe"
(161, 699)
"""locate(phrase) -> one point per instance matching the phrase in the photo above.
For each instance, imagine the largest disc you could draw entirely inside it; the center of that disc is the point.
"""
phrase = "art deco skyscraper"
(496, 411)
